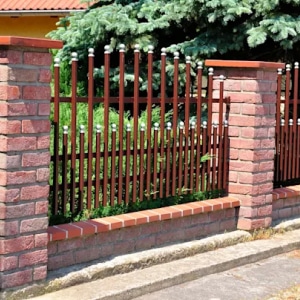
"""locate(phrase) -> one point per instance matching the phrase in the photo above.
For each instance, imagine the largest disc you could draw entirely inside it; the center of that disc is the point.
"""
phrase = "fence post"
(251, 87)
(25, 95)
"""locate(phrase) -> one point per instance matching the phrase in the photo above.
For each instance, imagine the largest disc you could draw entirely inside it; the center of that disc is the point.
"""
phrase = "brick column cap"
(30, 42)
(244, 64)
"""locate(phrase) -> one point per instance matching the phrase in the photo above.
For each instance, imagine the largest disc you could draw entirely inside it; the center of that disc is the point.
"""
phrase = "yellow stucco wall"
(33, 26)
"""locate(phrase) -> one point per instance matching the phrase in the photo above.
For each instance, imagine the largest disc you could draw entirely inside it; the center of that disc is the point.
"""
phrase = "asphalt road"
(255, 281)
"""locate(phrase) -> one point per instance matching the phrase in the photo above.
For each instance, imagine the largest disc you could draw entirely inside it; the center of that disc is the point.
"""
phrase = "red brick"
(138, 216)
(256, 86)
(9, 92)
(23, 75)
(71, 230)
(43, 174)
(41, 207)
(44, 109)
(11, 56)
(55, 233)
(244, 165)
(10, 126)
(72, 244)
(19, 210)
(258, 109)
(240, 143)
(21, 177)
(251, 132)
(45, 75)
(40, 273)
(8, 263)
(36, 93)
(18, 109)
(9, 195)
(43, 142)
(36, 126)
(32, 225)
(126, 219)
(252, 178)
(85, 255)
(20, 144)
(38, 59)
(52, 248)
(16, 279)
(60, 261)
(216, 216)
(228, 225)
(33, 258)
(100, 226)
(36, 159)
(10, 161)
(145, 243)
(9, 228)
(243, 121)
(247, 212)
(152, 216)
(164, 213)
(15, 245)
(265, 211)
(285, 213)
(41, 240)
(245, 97)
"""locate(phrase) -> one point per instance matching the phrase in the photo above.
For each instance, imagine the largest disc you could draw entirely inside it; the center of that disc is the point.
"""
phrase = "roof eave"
(39, 12)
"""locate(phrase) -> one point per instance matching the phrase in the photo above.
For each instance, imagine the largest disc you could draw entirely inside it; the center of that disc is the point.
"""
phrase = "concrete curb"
(183, 259)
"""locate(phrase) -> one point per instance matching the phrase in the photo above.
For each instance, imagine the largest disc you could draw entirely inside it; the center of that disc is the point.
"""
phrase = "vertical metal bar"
(90, 126)
(282, 149)
(162, 120)
(187, 120)
(175, 121)
(214, 155)
(142, 155)
(127, 169)
(277, 128)
(220, 134)
(81, 170)
(298, 150)
(209, 123)
(106, 122)
(192, 156)
(97, 165)
(180, 158)
(64, 170)
(155, 148)
(295, 106)
(113, 165)
(168, 159)
(225, 160)
(135, 119)
(149, 119)
(290, 158)
(121, 119)
(287, 97)
(199, 112)
(73, 130)
(54, 206)
(204, 168)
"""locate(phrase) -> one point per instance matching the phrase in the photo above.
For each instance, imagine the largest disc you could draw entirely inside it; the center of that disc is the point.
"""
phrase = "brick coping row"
(84, 228)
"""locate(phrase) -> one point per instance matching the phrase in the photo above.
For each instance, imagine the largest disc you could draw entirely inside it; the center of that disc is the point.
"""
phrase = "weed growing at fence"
(117, 209)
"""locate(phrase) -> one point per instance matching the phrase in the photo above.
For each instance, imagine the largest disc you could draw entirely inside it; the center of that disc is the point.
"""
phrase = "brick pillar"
(25, 94)
(251, 87)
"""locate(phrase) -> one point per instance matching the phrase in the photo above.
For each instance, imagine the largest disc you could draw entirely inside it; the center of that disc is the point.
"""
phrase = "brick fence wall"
(28, 247)
(24, 159)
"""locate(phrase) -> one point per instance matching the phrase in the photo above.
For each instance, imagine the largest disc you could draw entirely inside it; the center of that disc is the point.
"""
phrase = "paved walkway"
(253, 281)
(216, 271)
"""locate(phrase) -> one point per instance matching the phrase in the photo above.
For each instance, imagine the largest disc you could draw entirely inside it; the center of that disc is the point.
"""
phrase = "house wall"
(32, 26)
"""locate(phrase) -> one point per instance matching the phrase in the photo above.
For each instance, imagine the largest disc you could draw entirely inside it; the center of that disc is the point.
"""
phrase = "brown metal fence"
(109, 164)
(287, 156)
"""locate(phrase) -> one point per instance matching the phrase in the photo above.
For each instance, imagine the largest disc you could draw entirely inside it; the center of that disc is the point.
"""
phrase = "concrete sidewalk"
(137, 274)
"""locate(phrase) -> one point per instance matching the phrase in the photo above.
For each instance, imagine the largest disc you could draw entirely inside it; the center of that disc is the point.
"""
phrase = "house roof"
(27, 6)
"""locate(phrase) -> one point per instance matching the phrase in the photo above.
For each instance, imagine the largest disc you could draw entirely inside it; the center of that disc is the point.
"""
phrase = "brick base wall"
(286, 203)
(83, 242)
